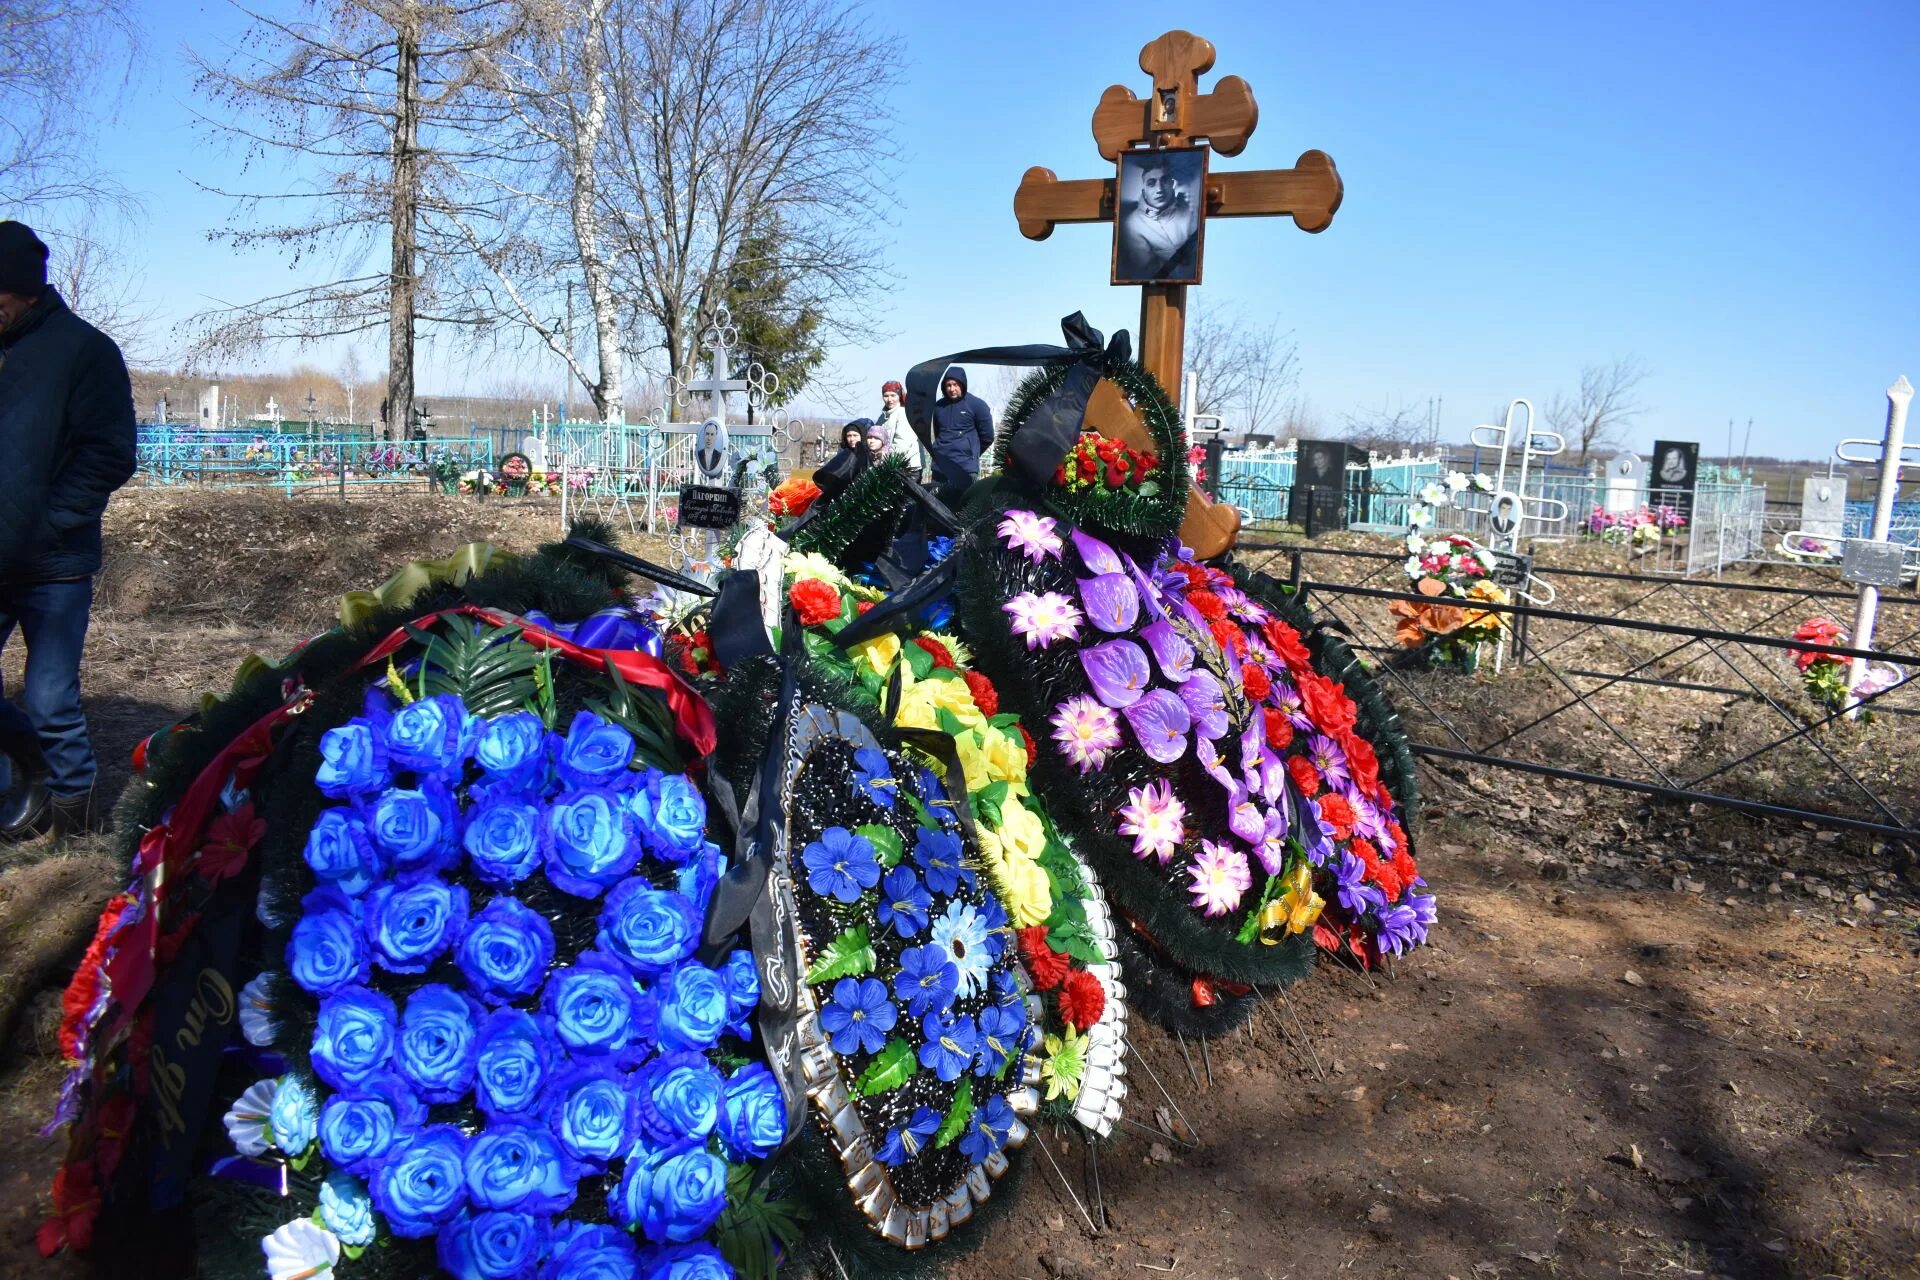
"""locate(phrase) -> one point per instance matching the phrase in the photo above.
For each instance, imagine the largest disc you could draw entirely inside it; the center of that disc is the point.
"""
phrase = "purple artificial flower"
(1367, 822)
(1170, 650)
(1397, 928)
(1154, 817)
(1271, 848)
(1425, 912)
(1086, 731)
(1112, 602)
(1118, 672)
(1031, 534)
(1097, 555)
(1043, 618)
(1313, 836)
(1210, 760)
(1287, 699)
(1244, 818)
(1329, 759)
(1356, 895)
(1160, 723)
(1206, 702)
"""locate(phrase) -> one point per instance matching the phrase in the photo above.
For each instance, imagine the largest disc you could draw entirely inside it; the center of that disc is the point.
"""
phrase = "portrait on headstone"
(1158, 232)
(1674, 475)
(710, 453)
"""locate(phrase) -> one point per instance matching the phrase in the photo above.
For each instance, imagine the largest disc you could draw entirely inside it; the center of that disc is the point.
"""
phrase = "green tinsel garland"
(1158, 516)
(877, 495)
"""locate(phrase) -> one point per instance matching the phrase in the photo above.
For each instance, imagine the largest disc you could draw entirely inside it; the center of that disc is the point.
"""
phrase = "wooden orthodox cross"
(1177, 117)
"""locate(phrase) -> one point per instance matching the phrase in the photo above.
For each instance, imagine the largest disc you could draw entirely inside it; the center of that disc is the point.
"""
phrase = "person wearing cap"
(902, 442)
(962, 431)
(67, 435)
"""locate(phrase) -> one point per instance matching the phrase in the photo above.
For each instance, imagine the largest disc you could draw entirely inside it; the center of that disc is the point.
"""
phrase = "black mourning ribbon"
(734, 624)
(1054, 424)
(644, 568)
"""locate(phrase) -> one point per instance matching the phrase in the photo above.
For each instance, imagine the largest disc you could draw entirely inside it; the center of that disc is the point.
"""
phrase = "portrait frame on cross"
(1160, 215)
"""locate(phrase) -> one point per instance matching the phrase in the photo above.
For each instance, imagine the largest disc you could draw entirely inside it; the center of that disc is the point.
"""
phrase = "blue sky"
(1726, 190)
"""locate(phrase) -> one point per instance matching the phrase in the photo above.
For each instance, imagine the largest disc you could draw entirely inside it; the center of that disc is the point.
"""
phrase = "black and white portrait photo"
(1157, 231)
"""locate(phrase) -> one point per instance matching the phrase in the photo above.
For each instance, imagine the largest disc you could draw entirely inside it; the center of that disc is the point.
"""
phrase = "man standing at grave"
(66, 432)
(962, 430)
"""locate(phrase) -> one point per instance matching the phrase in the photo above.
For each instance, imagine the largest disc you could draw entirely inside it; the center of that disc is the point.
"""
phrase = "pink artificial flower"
(1087, 732)
(1044, 618)
(1154, 817)
(1221, 877)
(1031, 534)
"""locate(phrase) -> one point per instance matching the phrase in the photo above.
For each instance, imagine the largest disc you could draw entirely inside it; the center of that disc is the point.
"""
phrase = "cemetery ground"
(1647, 1040)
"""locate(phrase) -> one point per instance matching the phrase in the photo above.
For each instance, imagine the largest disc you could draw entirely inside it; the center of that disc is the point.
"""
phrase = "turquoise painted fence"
(293, 462)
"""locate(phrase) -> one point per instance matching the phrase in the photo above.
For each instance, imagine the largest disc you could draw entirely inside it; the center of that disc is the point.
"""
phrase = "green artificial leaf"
(918, 660)
(988, 811)
(845, 956)
(1077, 940)
(870, 680)
(886, 842)
(940, 673)
(921, 814)
(892, 1067)
(994, 794)
(949, 722)
(957, 1115)
(1251, 928)
(754, 1229)
(1005, 720)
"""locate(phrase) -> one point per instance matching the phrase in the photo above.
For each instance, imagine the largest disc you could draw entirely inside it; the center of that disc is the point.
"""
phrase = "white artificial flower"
(1414, 570)
(256, 1022)
(301, 1250)
(246, 1120)
(1481, 482)
(1456, 480)
(1415, 543)
(1419, 517)
(1439, 547)
(1435, 494)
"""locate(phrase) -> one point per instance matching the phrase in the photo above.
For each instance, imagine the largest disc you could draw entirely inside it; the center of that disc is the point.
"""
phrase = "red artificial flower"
(84, 988)
(230, 838)
(1336, 815)
(1399, 834)
(1227, 634)
(1060, 474)
(1286, 642)
(1116, 476)
(1326, 937)
(1211, 607)
(936, 651)
(1081, 999)
(1379, 870)
(1279, 730)
(815, 601)
(860, 609)
(76, 1203)
(1195, 576)
(1033, 752)
(985, 696)
(1403, 866)
(1326, 703)
(1258, 683)
(1362, 763)
(1305, 776)
(1047, 967)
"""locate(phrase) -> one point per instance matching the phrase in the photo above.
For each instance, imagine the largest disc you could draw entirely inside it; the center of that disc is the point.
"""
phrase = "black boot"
(26, 812)
(76, 816)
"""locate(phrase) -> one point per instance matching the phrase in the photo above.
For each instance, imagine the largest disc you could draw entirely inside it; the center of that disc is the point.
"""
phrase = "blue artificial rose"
(595, 1007)
(651, 929)
(598, 1252)
(672, 816)
(511, 1063)
(295, 1115)
(360, 1128)
(699, 874)
(502, 840)
(753, 1117)
(409, 926)
(506, 951)
(588, 843)
(678, 1096)
(425, 1182)
(417, 828)
(432, 736)
(327, 950)
(346, 1209)
(341, 853)
(492, 1246)
(439, 1041)
(685, 1262)
(513, 751)
(741, 977)
(353, 761)
(693, 1007)
(595, 754)
(673, 1194)
(592, 1113)
(517, 1166)
(353, 1037)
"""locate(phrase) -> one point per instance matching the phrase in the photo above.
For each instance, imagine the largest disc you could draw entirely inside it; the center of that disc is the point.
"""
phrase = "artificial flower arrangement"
(1096, 462)
(1641, 530)
(793, 496)
(1453, 572)
(1824, 675)
(1065, 936)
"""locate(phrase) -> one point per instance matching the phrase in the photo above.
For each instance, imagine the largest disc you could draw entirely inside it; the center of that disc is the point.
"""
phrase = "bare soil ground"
(1647, 1040)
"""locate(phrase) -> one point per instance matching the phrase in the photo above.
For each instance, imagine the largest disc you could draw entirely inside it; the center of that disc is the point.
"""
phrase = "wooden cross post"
(1176, 117)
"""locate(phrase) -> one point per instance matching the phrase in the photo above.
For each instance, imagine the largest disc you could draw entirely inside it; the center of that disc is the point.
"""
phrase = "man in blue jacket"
(66, 433)
(962, 430)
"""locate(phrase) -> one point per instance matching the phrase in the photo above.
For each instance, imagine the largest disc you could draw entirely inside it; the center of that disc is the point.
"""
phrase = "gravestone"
(1674, 476)
(1626, 482)
(536, 450)
(1823, 506)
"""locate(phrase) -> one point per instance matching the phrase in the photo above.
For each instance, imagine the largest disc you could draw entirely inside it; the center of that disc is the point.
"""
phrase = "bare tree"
(62, 66)
(375, 94)
(730, 117)
(1390, 427)
(1603, 407)
(1243, 371)
(88, 265)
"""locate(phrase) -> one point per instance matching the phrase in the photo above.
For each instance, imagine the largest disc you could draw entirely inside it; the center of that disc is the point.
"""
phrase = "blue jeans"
(52, 617)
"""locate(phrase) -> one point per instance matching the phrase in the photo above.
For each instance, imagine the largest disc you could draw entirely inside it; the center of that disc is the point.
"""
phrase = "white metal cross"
(1893, 451)
(1508, 509)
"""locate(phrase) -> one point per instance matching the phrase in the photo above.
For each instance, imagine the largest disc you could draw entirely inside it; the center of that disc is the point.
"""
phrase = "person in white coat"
(901, 441)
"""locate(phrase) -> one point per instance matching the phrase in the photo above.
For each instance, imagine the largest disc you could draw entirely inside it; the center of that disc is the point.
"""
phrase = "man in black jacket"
(66, 433)
(962, 431)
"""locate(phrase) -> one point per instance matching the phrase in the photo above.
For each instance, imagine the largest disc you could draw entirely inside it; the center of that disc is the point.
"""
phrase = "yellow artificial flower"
(878, 654)
(1027, 894)
(1005, 756)
(805, 564)
(1064, 1063)
(1295, 910)
(921, 702)
(1019, 835)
